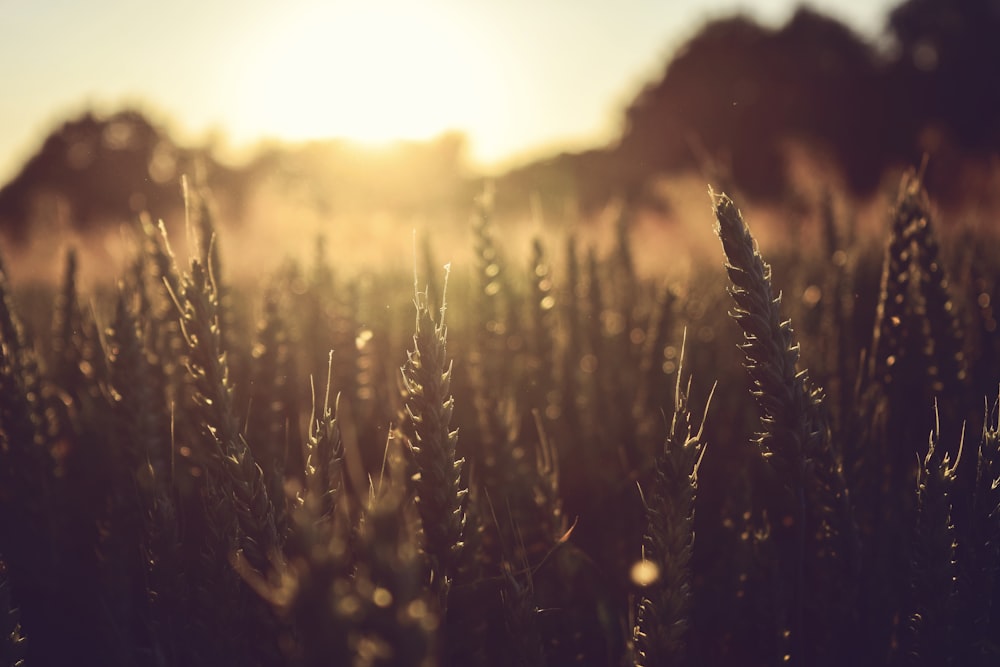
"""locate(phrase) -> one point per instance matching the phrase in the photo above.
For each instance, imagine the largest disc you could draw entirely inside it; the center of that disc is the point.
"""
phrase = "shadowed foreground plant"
(266, 422)
(400, 626)
(663, 615)
(239, 517)
(795, 441)
(315, 592)
(934, 569)
(227, 453)
(26, 477)
(12, 642)
(140, 550)
(980, 584)
(520, 616)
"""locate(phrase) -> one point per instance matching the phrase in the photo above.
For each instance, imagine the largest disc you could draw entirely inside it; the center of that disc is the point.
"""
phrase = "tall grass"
(189, 475)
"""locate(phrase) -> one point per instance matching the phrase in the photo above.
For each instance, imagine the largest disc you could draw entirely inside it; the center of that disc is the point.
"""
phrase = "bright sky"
(516, 76)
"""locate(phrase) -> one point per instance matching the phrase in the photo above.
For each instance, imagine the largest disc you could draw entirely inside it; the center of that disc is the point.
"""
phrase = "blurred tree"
(945, 71)
(737, 90)
(95, 170)
(728, 103)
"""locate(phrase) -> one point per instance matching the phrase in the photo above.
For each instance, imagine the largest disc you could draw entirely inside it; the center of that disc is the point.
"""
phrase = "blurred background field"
(357, 120)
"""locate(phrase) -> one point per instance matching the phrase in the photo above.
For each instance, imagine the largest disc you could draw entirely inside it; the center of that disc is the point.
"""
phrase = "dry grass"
(168, 498)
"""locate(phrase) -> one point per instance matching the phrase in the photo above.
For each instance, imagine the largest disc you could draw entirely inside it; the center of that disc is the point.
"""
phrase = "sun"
(370, 72)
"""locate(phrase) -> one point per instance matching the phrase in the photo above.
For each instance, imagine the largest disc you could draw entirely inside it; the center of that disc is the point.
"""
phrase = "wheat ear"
(428, 409)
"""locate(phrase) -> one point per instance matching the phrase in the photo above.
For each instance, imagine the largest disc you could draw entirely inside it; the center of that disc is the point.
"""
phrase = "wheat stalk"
(664, 612)
(428, 409)
(12, 641)
(26, 474)
(795, 436)
(266, 423)
(400, 625)
(934, 573)
(325, 454)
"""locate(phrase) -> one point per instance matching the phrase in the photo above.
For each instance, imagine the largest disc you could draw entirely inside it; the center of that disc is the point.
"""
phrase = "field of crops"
(539, 458)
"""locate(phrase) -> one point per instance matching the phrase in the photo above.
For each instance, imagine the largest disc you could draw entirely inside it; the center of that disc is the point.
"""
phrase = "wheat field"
(536, 457)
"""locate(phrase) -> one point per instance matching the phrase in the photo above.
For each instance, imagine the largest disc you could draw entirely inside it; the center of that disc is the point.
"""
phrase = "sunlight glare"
(367, 72)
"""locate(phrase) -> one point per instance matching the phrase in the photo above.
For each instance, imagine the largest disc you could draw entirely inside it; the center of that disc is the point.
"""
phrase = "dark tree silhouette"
(737, 90)
(728, 103)
(102, 170)
(947, 69)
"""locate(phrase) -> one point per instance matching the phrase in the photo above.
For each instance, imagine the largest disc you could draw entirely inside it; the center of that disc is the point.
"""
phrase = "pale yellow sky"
(517, 77)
